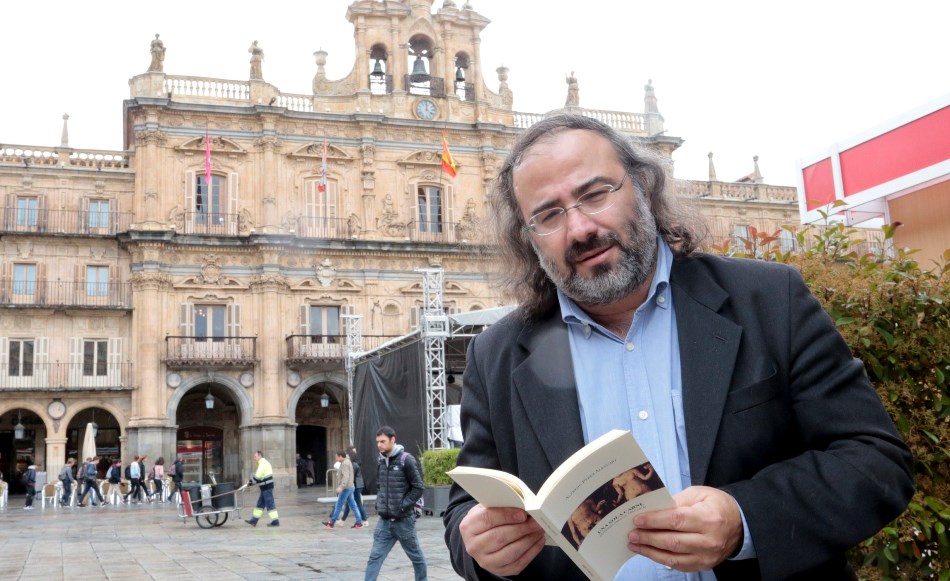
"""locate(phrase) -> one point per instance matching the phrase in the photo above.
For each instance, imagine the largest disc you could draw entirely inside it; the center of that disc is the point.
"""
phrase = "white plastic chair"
(48, 495)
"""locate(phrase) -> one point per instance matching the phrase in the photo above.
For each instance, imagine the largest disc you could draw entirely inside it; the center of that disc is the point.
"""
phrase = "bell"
(419, 67)
(459, 75)
(378, 70)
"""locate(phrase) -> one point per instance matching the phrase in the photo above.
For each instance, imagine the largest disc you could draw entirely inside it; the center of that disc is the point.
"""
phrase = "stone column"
(278, 442)
(147, 325)
(269, 144)
(55, 457)
(146, 211)
(268, 287)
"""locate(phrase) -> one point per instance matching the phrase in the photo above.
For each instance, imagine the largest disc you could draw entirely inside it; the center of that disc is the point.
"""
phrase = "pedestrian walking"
(176, 471)
(345, 492)
(358, 491)
(157, 475)
(134, 474)
(67, 478)
(29, 480)
(90, 472)
(264, 477)
(399, 480)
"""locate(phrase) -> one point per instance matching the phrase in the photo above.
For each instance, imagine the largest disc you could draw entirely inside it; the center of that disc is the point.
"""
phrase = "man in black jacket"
(399, 482)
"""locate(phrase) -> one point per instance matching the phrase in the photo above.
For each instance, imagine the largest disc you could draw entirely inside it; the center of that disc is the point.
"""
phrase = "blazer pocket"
(756, 394)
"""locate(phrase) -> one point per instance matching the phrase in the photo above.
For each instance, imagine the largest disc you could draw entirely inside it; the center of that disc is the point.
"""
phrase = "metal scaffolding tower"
(435, 330)
(354, 346)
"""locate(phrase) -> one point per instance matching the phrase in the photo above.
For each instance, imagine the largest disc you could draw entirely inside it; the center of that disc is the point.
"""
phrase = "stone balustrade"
(63, 156)
(205, 88)
(619, 120)
(295, 102)
(736, 191)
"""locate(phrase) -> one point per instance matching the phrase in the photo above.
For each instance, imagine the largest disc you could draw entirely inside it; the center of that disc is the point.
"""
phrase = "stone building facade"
(182, 315)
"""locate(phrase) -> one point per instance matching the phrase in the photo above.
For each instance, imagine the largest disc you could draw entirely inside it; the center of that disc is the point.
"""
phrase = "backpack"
(128, 472)
(418, 509)
(91, 471)
(171, 469)
(151, 473)
(115, 475)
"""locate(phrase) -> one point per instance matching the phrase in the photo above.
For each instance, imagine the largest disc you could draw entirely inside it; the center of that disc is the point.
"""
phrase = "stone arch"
(229, 383)
(335, 379)
(75, 408)
(36, 408)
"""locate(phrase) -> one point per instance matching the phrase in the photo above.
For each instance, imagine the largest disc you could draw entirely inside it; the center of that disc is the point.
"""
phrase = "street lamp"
(19, 431)
(324, 400)
(209, 400)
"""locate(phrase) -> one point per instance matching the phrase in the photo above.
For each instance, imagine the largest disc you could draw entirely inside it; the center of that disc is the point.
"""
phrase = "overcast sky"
(738, 78)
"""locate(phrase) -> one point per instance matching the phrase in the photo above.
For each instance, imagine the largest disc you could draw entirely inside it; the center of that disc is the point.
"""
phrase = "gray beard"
(610, 284)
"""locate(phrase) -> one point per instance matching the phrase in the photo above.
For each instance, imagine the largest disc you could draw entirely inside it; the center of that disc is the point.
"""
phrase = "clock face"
(426, 109)
(247, 379)
(56, 409)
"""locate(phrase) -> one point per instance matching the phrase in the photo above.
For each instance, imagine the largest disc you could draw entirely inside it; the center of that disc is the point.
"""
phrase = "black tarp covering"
(389, 390)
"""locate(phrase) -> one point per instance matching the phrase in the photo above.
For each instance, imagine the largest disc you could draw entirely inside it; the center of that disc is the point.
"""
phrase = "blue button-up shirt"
(634, 383)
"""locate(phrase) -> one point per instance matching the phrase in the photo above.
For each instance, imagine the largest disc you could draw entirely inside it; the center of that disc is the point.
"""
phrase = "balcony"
(305, 350)
(422, 84)
(332, 228)
(191, 351)
(445, 232)
(66, 377)
(210, 223)
(43, 221)
(82, 295)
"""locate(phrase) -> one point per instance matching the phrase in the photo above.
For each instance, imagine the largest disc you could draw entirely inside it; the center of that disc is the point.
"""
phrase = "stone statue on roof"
(158, 55)
(573, 91)
(257, 55)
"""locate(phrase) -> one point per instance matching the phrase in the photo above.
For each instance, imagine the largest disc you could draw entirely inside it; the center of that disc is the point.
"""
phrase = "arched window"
(321, 217)
(420, 80)
(211, 208)
(380, 83)
(465, 91)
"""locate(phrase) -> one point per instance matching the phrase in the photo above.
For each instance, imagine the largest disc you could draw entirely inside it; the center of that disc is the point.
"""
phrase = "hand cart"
(208, 516)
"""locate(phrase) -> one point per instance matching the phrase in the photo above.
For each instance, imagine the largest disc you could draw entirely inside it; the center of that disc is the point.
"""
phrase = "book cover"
(588, 503)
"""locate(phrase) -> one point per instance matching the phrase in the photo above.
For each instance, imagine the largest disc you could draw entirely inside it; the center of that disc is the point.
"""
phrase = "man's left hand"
(701, 532)
(339, 490)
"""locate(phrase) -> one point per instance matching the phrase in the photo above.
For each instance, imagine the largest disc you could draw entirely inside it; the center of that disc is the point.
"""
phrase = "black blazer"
(778, 413)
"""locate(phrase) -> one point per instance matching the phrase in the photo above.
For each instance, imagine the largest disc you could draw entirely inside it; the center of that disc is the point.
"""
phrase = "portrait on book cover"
(614, 493)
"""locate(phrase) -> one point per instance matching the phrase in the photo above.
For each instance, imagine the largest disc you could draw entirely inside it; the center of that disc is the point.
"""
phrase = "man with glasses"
(728, 372)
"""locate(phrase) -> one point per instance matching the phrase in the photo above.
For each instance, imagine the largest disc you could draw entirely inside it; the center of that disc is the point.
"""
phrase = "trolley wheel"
(206, 517)
(222, 518)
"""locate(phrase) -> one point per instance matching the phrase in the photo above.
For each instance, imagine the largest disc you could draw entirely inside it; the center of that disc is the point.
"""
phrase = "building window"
(20, 358)
(320, 210)
(740, 236)
(27, 211)
(95, 355)
(98, 213)
(430, 208)
(24, 279)
(209, 202)
(210, 322)
(97, 281)
(786, 240)
(325, 323)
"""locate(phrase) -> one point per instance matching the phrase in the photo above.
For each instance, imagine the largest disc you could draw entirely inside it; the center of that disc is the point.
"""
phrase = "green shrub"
(435, 463)
(895, 316)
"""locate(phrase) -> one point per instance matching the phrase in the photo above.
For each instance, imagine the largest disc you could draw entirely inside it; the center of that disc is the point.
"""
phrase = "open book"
(588, 503)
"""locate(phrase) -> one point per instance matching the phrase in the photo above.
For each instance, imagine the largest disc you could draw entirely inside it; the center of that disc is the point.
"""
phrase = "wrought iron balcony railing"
(192, 351)
(210, 223)
(23, 375)
(45, 221)
(319, 227)
(303, 349)
(45, 293)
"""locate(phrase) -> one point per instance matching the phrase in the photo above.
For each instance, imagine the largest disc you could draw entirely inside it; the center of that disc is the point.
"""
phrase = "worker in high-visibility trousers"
(264, 477)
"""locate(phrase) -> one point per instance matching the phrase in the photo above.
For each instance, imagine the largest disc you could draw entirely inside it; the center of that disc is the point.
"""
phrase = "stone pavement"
(148, 541)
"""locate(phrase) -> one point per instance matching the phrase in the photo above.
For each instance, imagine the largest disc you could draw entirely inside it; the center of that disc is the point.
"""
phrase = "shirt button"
(629, 346)
(661, 299)
(587, 330)
(643, 415)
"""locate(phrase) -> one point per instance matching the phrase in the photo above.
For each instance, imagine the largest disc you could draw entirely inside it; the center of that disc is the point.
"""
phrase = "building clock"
(56, 409)
(426, 109)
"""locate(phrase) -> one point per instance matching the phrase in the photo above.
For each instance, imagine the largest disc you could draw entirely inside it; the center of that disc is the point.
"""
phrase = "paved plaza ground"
(148, 541)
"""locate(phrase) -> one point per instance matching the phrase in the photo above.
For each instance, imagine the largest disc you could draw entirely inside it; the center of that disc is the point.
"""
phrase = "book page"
(492, 488)
(594, 496)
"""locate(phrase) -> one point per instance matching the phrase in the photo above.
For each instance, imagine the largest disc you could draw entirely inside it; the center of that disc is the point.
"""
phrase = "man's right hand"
(501, 540)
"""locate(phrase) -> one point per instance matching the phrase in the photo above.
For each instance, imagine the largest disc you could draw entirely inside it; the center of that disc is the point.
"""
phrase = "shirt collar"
(659, 287)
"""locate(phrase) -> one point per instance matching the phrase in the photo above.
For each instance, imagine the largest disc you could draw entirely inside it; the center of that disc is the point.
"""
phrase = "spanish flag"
(448, 163)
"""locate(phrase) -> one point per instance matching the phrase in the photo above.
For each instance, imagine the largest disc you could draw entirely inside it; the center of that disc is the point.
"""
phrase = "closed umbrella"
(89, 442)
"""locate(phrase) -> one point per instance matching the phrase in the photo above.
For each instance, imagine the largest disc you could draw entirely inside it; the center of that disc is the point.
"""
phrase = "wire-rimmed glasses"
(593, 202)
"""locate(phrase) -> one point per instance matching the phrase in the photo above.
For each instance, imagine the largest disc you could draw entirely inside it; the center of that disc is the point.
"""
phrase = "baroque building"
(188, 294)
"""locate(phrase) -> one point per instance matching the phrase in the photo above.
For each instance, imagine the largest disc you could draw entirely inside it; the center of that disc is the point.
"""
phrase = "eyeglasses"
(593, 202)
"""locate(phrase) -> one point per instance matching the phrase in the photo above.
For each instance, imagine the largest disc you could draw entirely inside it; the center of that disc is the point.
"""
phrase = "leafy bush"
(435, 463)
(895, 316)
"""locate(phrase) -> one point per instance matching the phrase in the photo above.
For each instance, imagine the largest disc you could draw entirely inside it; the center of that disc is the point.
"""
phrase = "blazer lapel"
(708, 344)
(544, 382)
